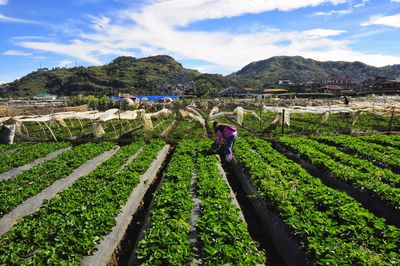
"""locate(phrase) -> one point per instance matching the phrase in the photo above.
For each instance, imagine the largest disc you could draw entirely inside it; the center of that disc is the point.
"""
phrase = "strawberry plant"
(27, 154)
(386, 155)
(68, 226)
(382, 183)
(34, 180)
(166, 241)
(223, 235)
(331, 226)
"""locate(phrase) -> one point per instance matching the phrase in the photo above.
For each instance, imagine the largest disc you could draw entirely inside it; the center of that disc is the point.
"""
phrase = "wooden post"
(391, 120)
(283, 120)
(261, 118)
(120, 124)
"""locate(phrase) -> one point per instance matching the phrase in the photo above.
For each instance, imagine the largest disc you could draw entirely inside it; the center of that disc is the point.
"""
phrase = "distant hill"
(299, 70)
(149, 75)
(157, 74)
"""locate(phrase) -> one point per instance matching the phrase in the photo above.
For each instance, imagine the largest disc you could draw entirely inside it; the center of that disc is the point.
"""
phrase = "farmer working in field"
(229, 134)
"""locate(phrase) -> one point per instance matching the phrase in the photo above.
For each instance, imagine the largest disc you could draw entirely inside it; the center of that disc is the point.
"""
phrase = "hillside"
(147, 75)
(299, 70)
(158, 74)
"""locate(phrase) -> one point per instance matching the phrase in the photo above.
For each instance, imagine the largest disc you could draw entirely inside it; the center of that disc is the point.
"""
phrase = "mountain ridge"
(158, 74)
(300, 70)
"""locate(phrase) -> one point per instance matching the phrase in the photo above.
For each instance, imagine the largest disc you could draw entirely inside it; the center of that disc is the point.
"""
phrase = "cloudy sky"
(214, 36)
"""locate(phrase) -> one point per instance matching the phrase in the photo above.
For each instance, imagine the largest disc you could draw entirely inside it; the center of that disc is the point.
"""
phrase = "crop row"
(386, 140)
(188, 130)
(74, 128)
(330, 225)
(10, 147)
(383, 183)
(27, 184)
(312, 123)
(27, 154)
(222, 235)
(91, 205)
(386, 155)
(166, 241)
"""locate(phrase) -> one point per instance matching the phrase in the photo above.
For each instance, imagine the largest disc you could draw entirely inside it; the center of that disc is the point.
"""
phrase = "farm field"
(164, 196)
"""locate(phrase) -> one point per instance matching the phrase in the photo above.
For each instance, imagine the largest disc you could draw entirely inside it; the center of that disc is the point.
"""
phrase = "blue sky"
(213, 36)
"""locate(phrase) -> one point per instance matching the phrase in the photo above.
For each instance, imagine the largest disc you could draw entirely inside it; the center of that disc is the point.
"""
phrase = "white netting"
(192, 116)
(193, 110)
(325, 117)
(97, 129)
(147, 123)
(166, 132)
(280, 119)
(239, 115)
(214, 110)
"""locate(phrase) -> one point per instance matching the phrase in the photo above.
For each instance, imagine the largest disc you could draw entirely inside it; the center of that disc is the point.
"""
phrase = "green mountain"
(158, 74)
(150, 75)
(299, 70)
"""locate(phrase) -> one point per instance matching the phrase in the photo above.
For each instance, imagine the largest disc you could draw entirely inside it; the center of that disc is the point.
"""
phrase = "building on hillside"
(391, 85)
(340, 81)
(344, 82)
(333, 89)
(273, 91)
(44, 96)
(285, 83)
(375, 83)
(249, 90)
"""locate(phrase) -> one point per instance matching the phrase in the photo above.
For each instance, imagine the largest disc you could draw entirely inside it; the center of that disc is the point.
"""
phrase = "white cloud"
(362, 4)
(317, 33)
(155, 29)
(4, 18)
(214, 69)
(16, 53)
(85, 51)
(334, 12)
(391, 21)
(396, 1)
(182, 13)
(352, 7)
(19, 38)
(3, 2)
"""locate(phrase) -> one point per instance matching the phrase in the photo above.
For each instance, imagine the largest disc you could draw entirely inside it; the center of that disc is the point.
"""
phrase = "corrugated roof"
(274, 90)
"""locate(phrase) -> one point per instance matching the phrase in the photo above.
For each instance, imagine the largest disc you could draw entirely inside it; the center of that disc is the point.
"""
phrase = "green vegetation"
(387, 156)
(382, 183)
(158, 74)
(298, 69)
(331, 226)
(166, 241)
(27, 154)
(4, 148)
(91, 205)
(31, 182)
(150, 75)
(224, 237)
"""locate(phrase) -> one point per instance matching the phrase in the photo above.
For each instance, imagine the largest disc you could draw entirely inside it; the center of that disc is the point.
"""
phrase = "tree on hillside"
(203, 86)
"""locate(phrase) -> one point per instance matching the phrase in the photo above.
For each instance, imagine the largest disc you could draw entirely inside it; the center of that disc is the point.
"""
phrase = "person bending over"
(228, 133)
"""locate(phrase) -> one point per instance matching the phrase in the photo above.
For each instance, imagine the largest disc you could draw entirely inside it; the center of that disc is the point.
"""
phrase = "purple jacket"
(226, 132)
